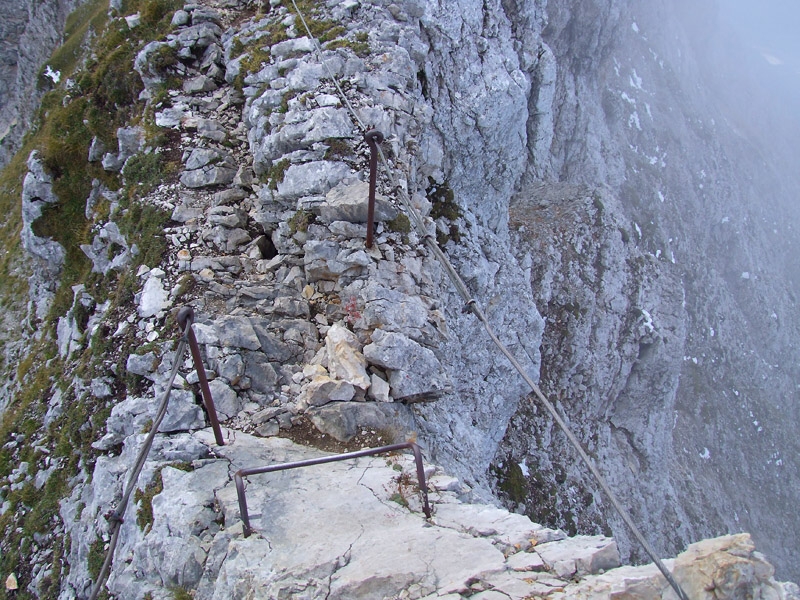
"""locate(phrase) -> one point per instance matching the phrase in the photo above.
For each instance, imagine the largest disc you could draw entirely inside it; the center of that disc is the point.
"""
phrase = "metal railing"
(373, 137)
(242, 473)
(185, 321)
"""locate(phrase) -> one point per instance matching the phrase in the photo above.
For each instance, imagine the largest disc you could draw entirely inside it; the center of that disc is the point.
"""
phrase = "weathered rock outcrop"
(560, 172)
(30, 31)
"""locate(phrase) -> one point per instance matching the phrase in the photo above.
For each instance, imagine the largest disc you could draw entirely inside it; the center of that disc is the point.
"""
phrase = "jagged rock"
(525, 561)
(133, 21)
(37, 192)
(580, 555)
(323, 389)
(100, 191)
(199, 36)
(395, 311)
(96, 150)
(180, 18)
(226, 216)
(725, 567)
(199, 84)
(207, 167)
(508, 529)
(211, 129)
(184, 213)
(68, 336)
(350, 203)
(237, 332)
(109, 249)
(379, 389)
(134, 415)
(301, 129)
(273, 347)
(229, 196)
(173, 117)
(293, 46)
(202, 14)
(200, 157)
(320, 260)
(231, 368)
(291, 307)
(100, 387)
(345, 360)
(308, 179)
(345, 420)
(414, 371)
(263, 377)
(142, 364)
(153, 298)
(130, 141)
(226, 401)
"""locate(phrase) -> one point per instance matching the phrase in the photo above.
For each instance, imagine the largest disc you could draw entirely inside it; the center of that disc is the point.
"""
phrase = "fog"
(768, 29)
(769, 26)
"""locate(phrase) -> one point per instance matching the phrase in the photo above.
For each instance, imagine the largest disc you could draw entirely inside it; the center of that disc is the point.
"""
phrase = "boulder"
(237, 332)
(226, 401)
(350, 203)
(322, 389)
(415, 374)
(308, 179)
(345, 420)
(153, 298)
(345, 360)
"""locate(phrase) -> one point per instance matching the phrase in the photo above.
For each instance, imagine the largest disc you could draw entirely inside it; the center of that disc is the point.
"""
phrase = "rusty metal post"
(242, 473)
(239, 481)
(185, 319)
(373, 137)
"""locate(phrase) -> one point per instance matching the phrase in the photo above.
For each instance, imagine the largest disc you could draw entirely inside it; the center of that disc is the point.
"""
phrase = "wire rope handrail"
(185, 318)
(471, 305)
(242, 473)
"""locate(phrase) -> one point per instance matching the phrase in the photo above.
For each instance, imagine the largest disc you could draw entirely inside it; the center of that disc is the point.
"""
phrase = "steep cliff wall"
(29, 33)
(571, 160)
(671, 312)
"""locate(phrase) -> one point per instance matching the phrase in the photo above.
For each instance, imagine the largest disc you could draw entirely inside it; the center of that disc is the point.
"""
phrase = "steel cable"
(115, 518)
(471, 304)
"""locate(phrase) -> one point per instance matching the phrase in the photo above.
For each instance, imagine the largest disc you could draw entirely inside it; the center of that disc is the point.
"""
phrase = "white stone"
(345, 360)
(154, 298)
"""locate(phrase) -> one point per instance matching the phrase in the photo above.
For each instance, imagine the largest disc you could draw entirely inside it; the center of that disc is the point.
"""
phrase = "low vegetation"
(102, 96)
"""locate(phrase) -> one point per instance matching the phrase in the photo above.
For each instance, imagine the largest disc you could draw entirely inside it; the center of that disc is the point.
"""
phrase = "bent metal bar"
(242, 473)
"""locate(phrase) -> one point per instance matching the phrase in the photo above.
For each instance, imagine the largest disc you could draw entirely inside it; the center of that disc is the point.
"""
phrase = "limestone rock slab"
(345, 360)
(414, 371)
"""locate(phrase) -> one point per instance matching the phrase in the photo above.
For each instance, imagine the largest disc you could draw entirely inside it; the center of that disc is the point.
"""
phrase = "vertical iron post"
(185, 319)
(373, 137)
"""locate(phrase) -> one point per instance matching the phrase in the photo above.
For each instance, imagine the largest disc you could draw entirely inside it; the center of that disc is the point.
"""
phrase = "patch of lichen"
(144, 498)
(338, 149)
(444, 206)
(300, 221)
(360, 49)
(400, 224)
(277, 172)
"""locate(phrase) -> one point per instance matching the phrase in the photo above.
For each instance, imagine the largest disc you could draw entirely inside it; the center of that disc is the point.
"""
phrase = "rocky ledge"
(355, 529)
(300, 324)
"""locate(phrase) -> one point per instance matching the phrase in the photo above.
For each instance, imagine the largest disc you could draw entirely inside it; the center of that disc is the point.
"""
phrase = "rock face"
(29, 31)
(37, 193)
(671, 310)
(362, 535)
(559, 156)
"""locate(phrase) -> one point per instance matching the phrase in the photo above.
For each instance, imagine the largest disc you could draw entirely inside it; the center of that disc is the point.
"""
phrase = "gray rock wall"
(693, 426)
(29, 32)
